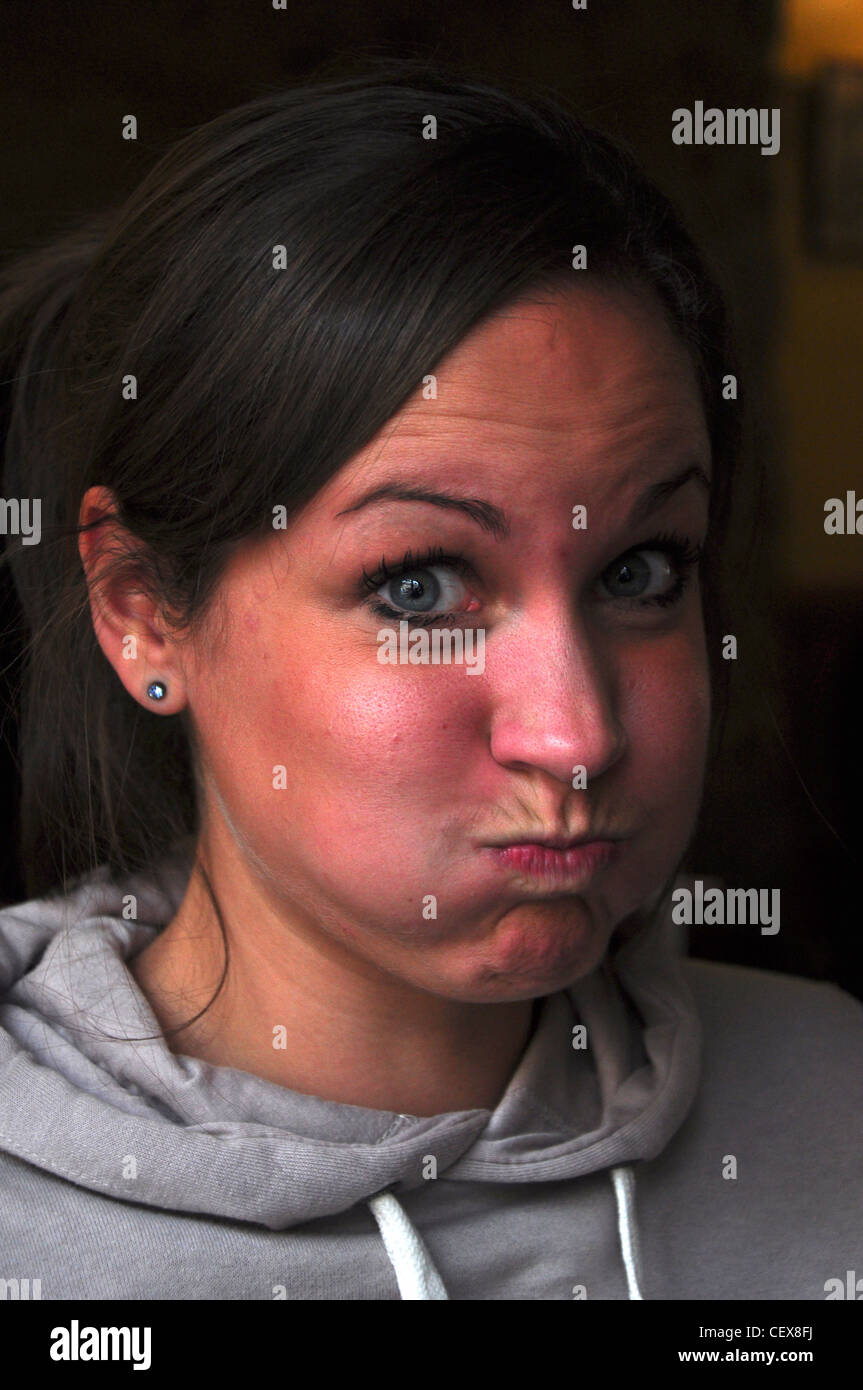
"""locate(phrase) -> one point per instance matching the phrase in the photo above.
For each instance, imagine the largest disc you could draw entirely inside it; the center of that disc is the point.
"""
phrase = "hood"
(76, 1091)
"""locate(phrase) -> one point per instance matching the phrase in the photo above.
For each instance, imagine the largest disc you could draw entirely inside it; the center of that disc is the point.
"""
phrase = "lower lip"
(561, 867)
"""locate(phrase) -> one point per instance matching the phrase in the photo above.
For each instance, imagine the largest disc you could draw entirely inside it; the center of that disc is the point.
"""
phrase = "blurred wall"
(819, 348)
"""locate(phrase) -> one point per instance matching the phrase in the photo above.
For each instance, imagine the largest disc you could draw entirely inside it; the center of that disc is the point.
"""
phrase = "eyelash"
(436, 556)
(684, 555)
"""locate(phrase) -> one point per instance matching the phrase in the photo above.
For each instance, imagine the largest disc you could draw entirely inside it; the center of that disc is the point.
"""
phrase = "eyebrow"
(485, 514)
(653, 497)
(493, 520)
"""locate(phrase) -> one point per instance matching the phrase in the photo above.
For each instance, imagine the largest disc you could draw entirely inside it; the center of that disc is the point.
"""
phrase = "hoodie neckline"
(70, 1097)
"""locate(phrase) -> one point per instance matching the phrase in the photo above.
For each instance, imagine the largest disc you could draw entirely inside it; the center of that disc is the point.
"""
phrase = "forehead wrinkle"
(602, 447)
(516, 408)
(632, 401)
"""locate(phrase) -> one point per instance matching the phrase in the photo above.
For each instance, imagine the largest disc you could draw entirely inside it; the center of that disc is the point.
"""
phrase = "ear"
(127, 622)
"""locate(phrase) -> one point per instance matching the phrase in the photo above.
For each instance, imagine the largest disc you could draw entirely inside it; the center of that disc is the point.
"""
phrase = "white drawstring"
(627, 1230)
(409, 1257)
(413, 1265)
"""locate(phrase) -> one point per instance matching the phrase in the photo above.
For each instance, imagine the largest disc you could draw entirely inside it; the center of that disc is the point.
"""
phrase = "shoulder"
(780, 1043)
(773, 1007)
(763, 1178)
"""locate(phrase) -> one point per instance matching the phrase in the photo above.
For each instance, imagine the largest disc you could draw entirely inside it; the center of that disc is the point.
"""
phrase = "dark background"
(781, 809)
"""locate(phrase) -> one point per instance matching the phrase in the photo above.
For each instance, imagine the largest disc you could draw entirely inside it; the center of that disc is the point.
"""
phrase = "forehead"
(586, 387)
(599, 358)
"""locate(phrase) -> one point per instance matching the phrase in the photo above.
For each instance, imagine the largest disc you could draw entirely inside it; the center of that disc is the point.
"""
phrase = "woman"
(346, 973)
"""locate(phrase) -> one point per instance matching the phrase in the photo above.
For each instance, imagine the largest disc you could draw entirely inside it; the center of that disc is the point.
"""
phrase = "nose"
(553, 700)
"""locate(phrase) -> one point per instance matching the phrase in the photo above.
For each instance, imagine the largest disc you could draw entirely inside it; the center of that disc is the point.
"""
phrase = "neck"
(299, 1008)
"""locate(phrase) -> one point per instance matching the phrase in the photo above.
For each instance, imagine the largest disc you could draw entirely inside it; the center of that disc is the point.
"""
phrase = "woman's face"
(403, 780)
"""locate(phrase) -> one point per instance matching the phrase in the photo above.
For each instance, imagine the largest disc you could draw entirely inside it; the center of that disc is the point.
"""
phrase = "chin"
(537, 949)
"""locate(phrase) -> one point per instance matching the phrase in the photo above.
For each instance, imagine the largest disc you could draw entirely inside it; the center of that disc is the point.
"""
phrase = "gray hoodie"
(707, 1142)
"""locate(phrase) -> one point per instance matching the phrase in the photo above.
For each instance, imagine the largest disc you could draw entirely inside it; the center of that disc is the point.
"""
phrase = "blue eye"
(427, 589)
(656, 572)
(633, 576)
(417, 590)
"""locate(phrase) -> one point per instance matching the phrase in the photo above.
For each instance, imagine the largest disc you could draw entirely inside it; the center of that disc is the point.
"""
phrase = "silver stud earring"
(157, 690)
